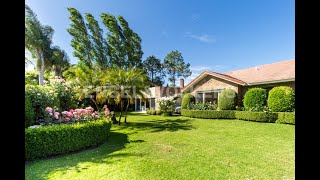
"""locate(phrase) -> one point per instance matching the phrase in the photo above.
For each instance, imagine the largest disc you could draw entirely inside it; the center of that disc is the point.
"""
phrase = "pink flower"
(90, 109)
(71, 110)
(93, 114)
(49, 109)
(65, 112)
(67, 119)
(70, 114)
(56, 115)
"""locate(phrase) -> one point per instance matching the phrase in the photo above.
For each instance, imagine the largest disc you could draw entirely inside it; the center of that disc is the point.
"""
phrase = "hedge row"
(154, 112)
(209, 114)
(286, 117)
(257, 116)
(60, 139)
(282, 117)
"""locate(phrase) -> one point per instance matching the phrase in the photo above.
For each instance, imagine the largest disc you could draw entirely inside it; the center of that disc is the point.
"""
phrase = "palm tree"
(126, 85)
(58, 60)
(86, 81)
(38, 39)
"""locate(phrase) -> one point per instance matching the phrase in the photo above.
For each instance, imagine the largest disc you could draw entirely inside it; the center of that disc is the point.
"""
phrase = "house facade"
(151, 97)
(208, 85)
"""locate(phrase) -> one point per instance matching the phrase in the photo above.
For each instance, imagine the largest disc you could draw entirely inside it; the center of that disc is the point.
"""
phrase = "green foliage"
(60, 139)
(166, 105)
(231, 114)
(38, 40)
(65, 97)
(286, 117)
(153, 112)
(158, 112)
(281, 99)
(148, 112)
(227, 100)
(256, 116)
(186, 100)
(153, 67)
(131, 82)
(99, 43)
(28, 112)
(209, 114)
(255, 99)
(41, 97)
(202, 106)
(31, 77)
(176, 67)
(124, 45)
(57, 61)
(80, 38)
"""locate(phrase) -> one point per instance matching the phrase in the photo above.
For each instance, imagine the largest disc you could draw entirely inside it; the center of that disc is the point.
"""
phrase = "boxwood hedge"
(232, 114)
(256, 116)
(286, 117)
(60, 139)
(209, 114)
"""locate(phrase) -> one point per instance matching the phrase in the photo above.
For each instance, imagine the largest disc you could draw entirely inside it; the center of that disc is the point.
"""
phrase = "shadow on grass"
(158, 125)
(106, 153)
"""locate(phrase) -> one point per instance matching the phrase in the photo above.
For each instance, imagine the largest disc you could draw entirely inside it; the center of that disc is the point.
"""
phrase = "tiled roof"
(282, 70)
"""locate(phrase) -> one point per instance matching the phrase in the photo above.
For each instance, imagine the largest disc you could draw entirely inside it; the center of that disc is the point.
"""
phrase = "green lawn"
(155, 147)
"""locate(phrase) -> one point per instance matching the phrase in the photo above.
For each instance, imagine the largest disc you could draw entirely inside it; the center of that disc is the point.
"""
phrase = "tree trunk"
(95, 103)
(41, 72)
(126, 112)
(120, 111)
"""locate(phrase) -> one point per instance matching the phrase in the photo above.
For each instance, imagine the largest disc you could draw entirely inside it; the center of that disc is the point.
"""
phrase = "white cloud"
(202, 38)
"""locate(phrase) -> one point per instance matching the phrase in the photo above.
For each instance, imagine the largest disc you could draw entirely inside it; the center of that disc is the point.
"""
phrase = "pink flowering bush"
(71, 116)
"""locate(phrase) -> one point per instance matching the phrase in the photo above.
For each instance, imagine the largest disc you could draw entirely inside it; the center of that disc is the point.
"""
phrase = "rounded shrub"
(46, 141)
(29, 112)
(186, 100)
(281, 99)
(227, 100)
(148, 112)
(153, 112)
(255, 99)
(158, 112)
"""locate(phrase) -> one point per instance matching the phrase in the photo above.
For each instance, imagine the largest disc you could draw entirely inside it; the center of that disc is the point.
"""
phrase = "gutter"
(270, 82)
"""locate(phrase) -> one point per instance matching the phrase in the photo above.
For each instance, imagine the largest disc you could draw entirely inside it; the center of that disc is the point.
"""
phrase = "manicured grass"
(155, 147)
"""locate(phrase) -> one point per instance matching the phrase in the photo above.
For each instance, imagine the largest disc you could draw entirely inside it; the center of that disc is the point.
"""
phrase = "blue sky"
(216, 35)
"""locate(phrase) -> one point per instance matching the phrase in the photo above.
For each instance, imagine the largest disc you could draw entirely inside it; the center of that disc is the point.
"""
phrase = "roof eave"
(270, 82)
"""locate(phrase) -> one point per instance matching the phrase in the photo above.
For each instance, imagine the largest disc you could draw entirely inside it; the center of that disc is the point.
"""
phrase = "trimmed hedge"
(256, 116)
(60, 139)
(255, 99)
(209, 114)
(227, 100)
(231, 114)
(286, 117)
(281, 99)
(186, 100)
(29, 118)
